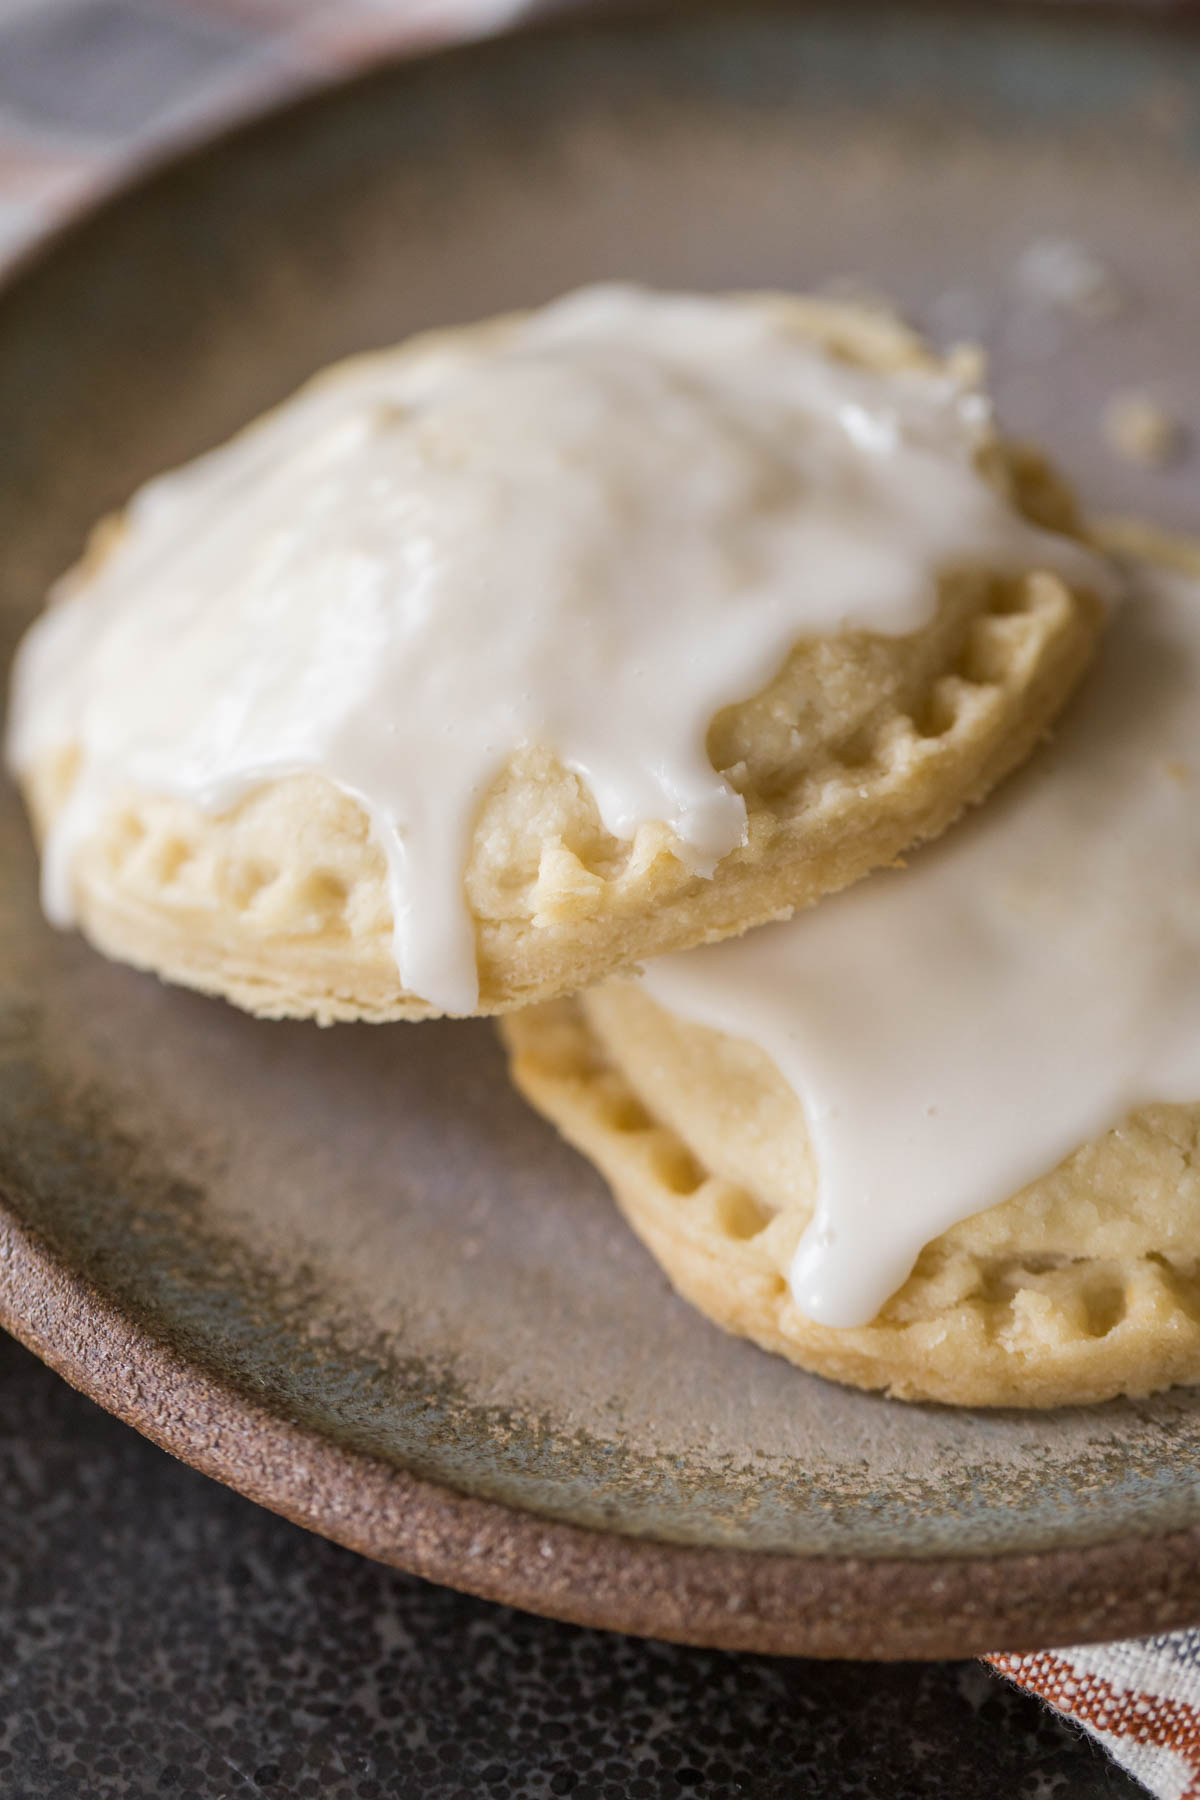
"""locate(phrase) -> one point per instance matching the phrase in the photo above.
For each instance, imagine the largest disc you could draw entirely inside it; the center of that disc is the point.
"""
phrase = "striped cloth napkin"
(1140, 1699)
(86, 87)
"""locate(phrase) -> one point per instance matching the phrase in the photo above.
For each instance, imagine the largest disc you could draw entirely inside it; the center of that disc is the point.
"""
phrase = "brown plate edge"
(822, 1606)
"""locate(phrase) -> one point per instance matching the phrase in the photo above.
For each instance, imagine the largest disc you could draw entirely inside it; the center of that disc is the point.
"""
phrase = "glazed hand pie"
(941, 1134)
(492, 665)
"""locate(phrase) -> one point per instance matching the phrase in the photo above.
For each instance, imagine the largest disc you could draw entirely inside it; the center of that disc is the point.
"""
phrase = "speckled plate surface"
(347, 1271)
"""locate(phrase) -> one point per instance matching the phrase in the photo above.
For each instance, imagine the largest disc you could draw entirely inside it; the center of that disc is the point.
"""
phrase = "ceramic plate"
(347, 1271)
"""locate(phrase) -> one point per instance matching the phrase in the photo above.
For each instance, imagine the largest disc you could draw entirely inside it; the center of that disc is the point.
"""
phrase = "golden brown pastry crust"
(1084, 1286)
(861, 747)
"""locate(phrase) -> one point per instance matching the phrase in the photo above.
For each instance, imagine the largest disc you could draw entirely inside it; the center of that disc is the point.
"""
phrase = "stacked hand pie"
(490, 671)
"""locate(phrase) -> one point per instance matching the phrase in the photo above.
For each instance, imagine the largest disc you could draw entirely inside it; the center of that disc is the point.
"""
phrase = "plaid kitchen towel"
(87, 87)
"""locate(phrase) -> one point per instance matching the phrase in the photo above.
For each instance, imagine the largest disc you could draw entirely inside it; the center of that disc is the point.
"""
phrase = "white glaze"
(955, 1028)
(591, 531)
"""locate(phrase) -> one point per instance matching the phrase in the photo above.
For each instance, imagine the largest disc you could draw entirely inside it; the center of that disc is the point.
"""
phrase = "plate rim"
(819, 1605)
(778, 1603)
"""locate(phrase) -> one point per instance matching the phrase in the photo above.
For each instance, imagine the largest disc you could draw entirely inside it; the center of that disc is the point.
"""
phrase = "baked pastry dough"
(1084, 1286)
(860, 746)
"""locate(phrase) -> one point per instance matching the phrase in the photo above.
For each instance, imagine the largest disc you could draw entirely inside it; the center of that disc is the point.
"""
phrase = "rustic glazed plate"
(347, 1271)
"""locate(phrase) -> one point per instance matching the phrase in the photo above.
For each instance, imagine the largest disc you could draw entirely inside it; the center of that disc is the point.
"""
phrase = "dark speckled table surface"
(160, 1636)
